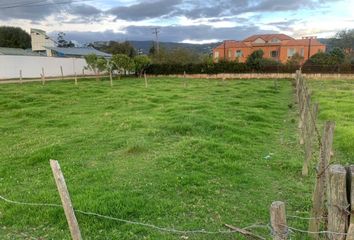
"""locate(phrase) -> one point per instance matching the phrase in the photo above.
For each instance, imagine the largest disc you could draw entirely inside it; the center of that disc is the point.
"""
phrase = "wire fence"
(268, 227)
(307, 116)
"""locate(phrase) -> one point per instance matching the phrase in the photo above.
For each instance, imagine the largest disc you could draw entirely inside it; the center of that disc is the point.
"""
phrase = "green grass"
(336, 103)
(184, 158)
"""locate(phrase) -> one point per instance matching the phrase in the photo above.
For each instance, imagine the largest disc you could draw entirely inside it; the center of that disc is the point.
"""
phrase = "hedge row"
(343, 68)
(234, 67)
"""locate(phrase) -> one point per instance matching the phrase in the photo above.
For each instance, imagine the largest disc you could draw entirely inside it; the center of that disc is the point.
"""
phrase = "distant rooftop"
(37, 31)
(78, 51)
(268, 37)
(18, 52)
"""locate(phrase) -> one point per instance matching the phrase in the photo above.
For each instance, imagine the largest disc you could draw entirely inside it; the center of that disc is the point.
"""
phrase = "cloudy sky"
(193, 21)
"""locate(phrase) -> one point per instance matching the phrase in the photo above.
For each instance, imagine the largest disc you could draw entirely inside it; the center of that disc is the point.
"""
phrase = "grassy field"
(184, 158)
(336, 101)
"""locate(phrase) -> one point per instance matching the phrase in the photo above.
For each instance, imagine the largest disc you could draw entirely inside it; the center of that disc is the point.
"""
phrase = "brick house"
(279, 47)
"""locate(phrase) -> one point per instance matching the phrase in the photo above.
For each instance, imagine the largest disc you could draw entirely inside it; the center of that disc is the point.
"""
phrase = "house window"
(239, 53)
(274, 54)
(291, 52)
(275, 40)
(301, 52)
(229, 53)
(216, 55)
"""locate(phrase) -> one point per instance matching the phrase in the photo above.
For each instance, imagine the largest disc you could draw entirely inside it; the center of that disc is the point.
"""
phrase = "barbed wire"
(318, 134)
(305, 218)
(310, 232)
(164, 229)
(173, 230)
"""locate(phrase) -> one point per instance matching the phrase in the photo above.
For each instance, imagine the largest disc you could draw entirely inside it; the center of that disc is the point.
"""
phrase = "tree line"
(119, 62)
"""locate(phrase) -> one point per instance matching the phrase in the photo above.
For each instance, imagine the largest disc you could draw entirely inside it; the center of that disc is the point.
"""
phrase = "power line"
(41, 3)
(21, 4)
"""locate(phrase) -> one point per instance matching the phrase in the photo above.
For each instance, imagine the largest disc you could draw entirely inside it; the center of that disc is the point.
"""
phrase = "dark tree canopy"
(62, 42)
(14, 37)
(345, 40)
(334, 57)
(119, 48)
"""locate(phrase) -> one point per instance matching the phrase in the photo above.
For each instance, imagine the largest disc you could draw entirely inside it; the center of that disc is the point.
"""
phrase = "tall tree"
(62, 42)
(14, 37)
(345, 40)
(255, 59)
(93, 64)
(141, 63)
(123, 62)
(119, 48)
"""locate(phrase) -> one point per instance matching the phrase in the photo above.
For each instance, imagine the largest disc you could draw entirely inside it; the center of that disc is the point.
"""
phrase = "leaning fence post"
(278, 221)
(65, 200)
(350, 187)
(110, 77)
(320, 185)
(338, 207)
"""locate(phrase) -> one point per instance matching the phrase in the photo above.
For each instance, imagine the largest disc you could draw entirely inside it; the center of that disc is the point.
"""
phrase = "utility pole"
(309, 49)
(156, 32)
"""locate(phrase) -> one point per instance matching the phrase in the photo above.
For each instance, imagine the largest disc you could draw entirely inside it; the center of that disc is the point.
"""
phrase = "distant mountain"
(144, 46)
(198, 48)
(327, 42)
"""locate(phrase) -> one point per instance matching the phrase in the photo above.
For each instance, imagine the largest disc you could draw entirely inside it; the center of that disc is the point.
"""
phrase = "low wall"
(259, 75)
(31, 66)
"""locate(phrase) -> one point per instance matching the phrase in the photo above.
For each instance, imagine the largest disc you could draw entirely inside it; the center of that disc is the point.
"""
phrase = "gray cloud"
(28, 10)
(83, 10)
(145, 9)
(168, 34)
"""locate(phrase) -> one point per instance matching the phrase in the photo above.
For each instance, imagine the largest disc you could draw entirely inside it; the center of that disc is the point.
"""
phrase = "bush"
(267, 66)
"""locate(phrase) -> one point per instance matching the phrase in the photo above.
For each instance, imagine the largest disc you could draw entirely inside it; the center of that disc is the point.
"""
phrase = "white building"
(40, 41)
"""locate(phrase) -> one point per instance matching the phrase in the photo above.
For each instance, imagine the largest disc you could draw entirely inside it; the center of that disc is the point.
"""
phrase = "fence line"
(279, 229)
(333, 182)
(124, 220)
(170, 230)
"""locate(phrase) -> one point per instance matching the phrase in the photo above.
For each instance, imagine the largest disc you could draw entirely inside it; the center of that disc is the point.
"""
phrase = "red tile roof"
(231, 44)
(268, 37)
(301, 42)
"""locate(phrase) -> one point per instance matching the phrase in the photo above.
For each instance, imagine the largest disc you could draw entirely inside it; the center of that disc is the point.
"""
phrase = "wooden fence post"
(278, 221)
(310, 130)
(297, 85)
(146, 81)
(110, 77)
(43, 76)
(20, 76)
(305, 119)
(350, 187)
(320, 185)
(337, 202)
(62, 73)
(75, 79)
(305, 135)
(65, 200)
